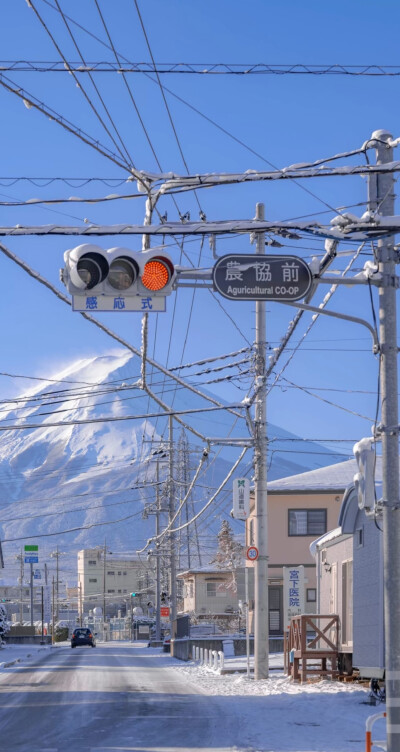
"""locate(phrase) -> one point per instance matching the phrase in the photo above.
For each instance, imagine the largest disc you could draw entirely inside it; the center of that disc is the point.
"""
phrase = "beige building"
(207, 593)
(301, 508)
(109, 579)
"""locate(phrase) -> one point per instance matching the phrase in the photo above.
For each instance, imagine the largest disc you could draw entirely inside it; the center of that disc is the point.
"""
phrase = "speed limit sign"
(252, 553)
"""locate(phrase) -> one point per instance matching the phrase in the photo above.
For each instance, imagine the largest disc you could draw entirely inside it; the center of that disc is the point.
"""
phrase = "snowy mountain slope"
(56, 479)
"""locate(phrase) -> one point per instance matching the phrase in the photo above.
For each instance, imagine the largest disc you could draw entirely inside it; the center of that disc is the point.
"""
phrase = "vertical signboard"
(241, 498)
(293, 593)
(46, 604)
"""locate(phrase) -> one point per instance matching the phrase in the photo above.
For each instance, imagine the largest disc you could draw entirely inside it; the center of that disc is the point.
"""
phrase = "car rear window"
(81, 631)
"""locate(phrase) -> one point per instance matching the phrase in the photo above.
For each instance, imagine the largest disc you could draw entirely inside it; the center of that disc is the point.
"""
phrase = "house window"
(123, 572)
(125, 590)
(92, 563)
(119, 573)
(215, 589)
(311, 595)
(92, 579)
(110, 591)
(360, 537)
(307, 522)
(111, 573)
(120, 591)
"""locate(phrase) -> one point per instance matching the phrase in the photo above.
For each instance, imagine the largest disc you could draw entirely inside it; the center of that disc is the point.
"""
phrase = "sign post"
(31, 557)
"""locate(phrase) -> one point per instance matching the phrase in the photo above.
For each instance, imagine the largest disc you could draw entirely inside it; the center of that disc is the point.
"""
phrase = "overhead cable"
(201, 69)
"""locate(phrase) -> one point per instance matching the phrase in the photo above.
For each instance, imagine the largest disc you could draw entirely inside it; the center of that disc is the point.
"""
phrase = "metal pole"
(158, 584)
(53, 626)
(390, 448)
(261, 626)
(246, 595)
(31, 566)
(80, 605)
(171, 510)
(104, 590)
(42, 588)
(57, 585)
(21, 574)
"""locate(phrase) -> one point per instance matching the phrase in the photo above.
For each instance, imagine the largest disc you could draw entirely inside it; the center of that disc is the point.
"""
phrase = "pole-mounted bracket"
(388, 504)
(391, 430)
(336, 315)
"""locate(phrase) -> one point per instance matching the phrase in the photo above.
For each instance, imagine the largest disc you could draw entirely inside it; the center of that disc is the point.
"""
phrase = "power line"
(202, 69)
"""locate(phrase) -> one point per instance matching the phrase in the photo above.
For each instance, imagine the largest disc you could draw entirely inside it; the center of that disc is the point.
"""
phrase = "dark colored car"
(82, 636)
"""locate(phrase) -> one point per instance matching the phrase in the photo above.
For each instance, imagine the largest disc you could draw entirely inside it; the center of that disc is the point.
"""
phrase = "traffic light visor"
(157, 273)
(123, 273)
(91, 269)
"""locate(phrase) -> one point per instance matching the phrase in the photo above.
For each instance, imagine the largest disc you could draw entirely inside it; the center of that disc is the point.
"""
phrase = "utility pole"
(104, 588)
(261, 626)
(171, 512)
(158, 584)
(53, 620)
(31, 588)
(21, 592)
(80, 605)
(381, 198)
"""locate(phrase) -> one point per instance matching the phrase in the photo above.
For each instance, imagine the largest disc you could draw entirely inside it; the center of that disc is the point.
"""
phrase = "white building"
(109, 579)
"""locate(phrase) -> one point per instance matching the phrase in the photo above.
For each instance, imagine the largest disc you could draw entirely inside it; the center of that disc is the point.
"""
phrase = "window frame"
(311, 600)
(307, 510)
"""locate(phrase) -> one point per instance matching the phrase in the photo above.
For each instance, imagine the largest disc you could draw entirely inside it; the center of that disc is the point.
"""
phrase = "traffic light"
(91, 270)
(133, 595)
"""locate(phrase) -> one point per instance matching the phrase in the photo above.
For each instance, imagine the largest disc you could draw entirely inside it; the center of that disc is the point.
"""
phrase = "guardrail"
(368, 732)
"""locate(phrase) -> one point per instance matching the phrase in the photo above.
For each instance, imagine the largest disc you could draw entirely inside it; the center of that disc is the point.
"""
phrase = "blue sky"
(285, 119)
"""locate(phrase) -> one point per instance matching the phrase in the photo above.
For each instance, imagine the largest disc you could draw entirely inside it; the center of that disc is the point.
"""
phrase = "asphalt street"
(117, 696)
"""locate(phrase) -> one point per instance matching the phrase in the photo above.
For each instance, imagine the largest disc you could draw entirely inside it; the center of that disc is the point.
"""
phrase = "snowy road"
(116, 697)
(128, 698)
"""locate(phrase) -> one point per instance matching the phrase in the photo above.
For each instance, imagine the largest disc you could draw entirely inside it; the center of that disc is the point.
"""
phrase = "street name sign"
(31, 554)
(164, 611)
(258, 277)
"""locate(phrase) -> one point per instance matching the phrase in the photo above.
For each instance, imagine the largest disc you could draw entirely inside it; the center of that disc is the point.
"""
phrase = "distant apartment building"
(108, 579)
(17, 601)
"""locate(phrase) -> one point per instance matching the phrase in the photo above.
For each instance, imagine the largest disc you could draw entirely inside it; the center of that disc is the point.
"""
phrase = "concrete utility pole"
(158, 584)
(381, 198)
(31, 589)
(104, 587)
(261, 625)
(171, 512)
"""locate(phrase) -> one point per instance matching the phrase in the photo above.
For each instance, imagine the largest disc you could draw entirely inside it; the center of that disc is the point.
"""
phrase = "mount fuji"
(72, 485)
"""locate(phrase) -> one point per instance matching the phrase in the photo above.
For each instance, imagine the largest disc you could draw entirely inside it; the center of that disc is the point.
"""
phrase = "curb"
(8, 664)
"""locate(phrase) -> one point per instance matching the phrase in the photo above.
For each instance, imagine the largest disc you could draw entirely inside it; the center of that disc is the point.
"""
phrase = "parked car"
(82, 636)
(166, 646)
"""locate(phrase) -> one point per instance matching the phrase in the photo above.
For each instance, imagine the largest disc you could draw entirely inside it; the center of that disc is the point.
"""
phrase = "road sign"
(37, 575)
(31, 554)
(164, 611)
(118, 303)
(252, 553)
(241, 498)
(255, 277)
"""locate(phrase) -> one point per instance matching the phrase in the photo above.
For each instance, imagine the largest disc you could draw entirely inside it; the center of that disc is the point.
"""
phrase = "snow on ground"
(282, 716)
(22, 653)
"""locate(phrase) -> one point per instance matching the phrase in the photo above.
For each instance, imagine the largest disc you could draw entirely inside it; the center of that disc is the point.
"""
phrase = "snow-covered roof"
(324, 539)
(332, 478)
(204, 570)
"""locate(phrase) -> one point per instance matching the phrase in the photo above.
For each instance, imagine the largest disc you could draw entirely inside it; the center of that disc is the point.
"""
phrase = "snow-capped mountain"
(60, 483)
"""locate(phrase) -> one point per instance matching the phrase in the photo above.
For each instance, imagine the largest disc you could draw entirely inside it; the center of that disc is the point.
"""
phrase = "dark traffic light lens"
(122, 274)
(92, 269)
